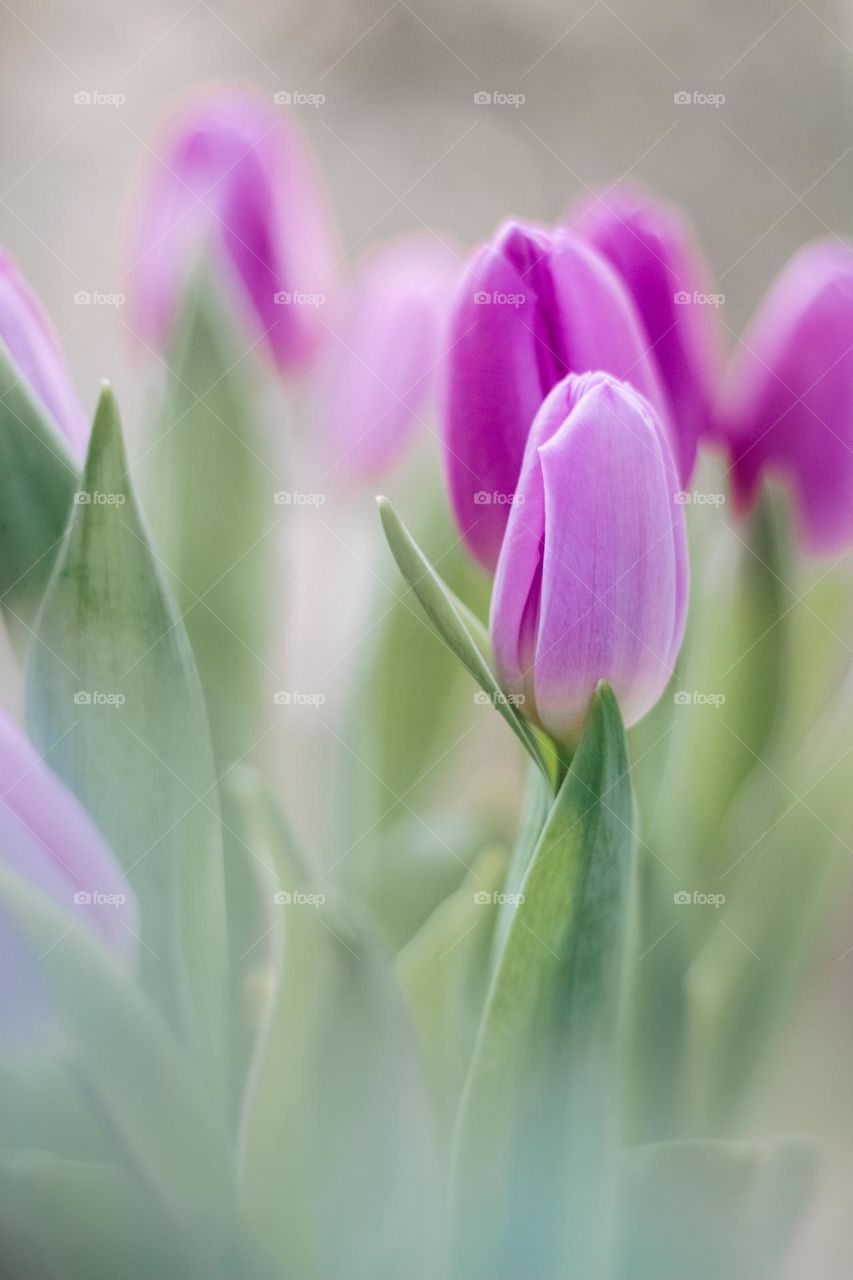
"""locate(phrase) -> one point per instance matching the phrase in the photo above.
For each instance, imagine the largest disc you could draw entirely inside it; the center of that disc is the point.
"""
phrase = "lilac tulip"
(787, 406)
(654, 250)
(33, 346)
(382, 370)
(48, 839)
(534, 306)
(236, 180)
(591, 583)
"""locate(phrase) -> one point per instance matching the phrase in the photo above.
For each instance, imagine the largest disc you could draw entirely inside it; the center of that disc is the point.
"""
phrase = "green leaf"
(704, 1210)
(537, 1129)
(213, 512)
(336, 1080)
(142, 1088)
(114, 703)
(455, 623)
(38, 478)
(444, 973)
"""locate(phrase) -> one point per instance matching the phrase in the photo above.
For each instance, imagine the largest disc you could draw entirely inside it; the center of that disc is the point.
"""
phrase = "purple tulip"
(34, 349)
(654, 250)
(236, 180)
(48, 839)
(787, 406)
(534, 306)
(592, 578)
(383, 369)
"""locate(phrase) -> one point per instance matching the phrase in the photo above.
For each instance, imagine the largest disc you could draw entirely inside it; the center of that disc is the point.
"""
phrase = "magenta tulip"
(33, 347)
(49, 841)
(382, 369)
(236, 181)
(592, 578)
(534, 306)
(787, 407)
(654, 250)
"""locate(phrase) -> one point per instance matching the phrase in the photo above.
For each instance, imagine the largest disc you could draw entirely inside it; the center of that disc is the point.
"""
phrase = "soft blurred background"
(404, 145)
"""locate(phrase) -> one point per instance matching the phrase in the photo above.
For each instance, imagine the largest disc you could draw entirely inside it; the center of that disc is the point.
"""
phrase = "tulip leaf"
(711, 1209)
(38, 478)
(114, 703)
(444, 970)
(536, 1139)
(140, 1084)
(455, 623)
(336, 1074)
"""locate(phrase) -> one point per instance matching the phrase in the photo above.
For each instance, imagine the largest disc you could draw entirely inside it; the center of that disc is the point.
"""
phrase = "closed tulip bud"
(654, 250)
(49, 841)
(236, 181)
(32, 344)
(534, 306)
(787, 405)
(592, 578)
(382, 370)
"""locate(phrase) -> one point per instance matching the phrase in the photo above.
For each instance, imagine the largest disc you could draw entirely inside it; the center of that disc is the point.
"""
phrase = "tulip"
(534, 306)
(787, 405)
(48, 839)
(33, 347)
(236, 180)
(591, 583)
(654, 250)
(382, 375)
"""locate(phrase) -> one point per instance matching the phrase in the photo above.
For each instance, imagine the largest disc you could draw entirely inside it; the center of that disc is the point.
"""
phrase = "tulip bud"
(236, 180)
(787, 404)
(33, 346)
(382, 371)
(533, 307)
(49, 840)
(653, 248)
(592, 578)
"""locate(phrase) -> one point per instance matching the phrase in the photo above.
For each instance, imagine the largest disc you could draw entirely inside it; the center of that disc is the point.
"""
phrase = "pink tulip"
(534, 306)
(383, 369)
(32, 345)
(787, 406)
(653, 248)
(236, 181)
(592, 579)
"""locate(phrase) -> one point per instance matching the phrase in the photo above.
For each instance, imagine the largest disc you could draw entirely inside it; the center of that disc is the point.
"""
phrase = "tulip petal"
(788, 401)
(34, 347)
(655, 253)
